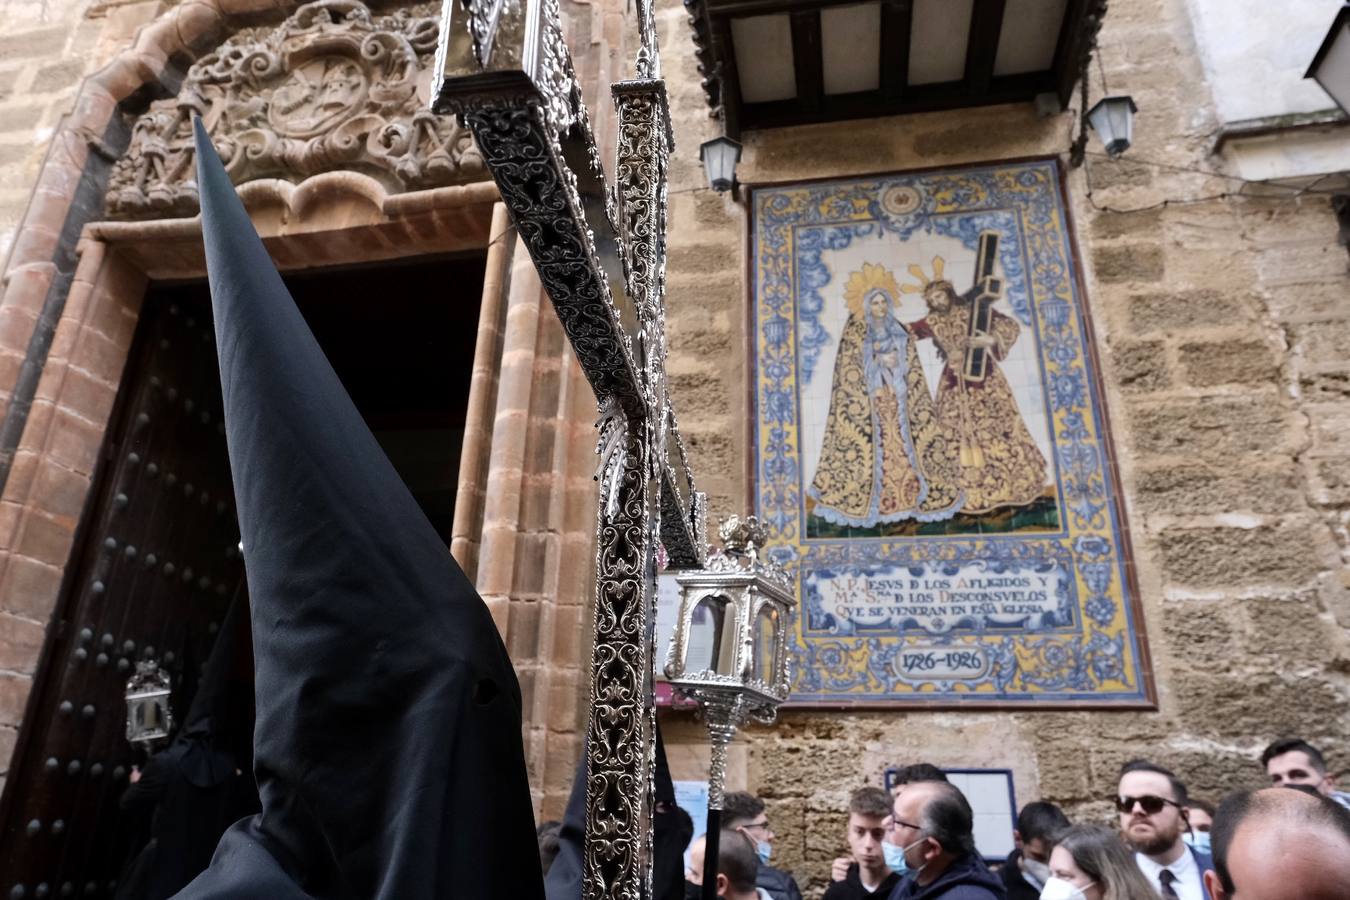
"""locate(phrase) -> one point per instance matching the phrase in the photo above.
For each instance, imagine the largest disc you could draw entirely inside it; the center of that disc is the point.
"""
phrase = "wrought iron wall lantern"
(1331, 65)
(719, 157)
(149, 716)
(1112, 117)
(730, 652)
(1113, 120)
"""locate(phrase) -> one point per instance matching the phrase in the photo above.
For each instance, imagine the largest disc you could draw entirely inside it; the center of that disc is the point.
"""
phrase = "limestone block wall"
(1222, 328)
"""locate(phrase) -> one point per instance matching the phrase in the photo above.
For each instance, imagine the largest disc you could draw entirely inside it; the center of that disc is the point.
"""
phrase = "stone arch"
(93, 145)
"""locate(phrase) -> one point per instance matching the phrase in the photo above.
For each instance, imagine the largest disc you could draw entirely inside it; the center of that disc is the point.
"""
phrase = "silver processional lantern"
(149, 717)
(730, 652)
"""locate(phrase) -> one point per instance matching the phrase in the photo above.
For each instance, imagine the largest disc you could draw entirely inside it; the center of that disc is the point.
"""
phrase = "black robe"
(387, 748)
(194, 789)
(670, 837)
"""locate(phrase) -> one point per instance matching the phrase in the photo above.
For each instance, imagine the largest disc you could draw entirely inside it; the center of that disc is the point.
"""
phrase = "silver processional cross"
(504, 69)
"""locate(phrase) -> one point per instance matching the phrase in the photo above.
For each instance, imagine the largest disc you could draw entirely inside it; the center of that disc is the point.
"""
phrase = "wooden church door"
(156, 567)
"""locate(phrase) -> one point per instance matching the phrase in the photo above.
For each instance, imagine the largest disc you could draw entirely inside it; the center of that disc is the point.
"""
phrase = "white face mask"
(1059, 889)
(1038, 873)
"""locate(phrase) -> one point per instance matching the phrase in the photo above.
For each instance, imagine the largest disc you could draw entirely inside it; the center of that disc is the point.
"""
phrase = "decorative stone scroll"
(333, 87)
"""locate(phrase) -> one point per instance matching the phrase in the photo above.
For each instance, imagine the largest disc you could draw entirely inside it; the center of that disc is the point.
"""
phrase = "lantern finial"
(742, 535)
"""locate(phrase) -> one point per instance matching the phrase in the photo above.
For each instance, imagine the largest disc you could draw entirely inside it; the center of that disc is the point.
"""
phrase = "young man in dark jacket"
(863, 874)
(933, 823)
(744, 812)
(1028, 867)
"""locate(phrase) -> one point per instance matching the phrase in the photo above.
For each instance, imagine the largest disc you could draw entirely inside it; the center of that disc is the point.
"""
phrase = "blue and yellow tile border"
(1094, 652)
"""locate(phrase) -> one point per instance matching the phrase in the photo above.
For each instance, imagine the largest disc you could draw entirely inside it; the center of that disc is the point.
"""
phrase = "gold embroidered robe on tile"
(884, 456)
(1010, 469)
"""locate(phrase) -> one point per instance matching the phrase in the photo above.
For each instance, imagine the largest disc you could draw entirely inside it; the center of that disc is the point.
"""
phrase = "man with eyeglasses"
(1152, 806)
(744, 812)
(933, 825)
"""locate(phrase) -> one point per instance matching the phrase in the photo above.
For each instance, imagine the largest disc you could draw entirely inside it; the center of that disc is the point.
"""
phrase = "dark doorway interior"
(402, 341)
(155, 564)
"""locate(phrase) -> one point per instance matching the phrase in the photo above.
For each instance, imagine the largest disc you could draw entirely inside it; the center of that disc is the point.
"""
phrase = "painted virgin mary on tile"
(885, 456)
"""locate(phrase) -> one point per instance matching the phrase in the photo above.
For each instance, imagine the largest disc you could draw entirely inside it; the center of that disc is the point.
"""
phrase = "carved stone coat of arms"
(333, 87)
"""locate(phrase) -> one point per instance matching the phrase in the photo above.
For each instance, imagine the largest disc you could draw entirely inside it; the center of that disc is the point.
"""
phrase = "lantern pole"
(721, 729)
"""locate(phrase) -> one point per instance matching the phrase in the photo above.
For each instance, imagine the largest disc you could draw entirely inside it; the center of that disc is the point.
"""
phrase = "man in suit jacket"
(1152, 805)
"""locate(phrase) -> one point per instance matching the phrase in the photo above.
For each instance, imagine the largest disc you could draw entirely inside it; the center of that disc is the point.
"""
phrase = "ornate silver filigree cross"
(503, 68)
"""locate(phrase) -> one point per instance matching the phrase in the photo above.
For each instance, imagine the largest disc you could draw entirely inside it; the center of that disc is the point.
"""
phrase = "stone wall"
(47, 47)
(1221, 327)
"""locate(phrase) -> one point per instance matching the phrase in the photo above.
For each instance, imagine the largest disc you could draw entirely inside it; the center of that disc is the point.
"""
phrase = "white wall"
(1256, 51)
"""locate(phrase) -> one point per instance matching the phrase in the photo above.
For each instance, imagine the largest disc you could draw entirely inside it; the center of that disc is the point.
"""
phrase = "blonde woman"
(1090, 862)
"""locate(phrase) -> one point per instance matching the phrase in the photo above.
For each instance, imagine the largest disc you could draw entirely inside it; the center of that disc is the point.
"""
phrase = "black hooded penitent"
(669, 839)
(192, 790)
(387, 746)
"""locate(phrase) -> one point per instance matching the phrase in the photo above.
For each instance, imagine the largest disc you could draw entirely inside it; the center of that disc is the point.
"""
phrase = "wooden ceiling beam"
(986, 24)
(1077, 37)
(767, 7)
(807, 59)
(894, 95)
(872, 104)
(724, 50)
(897, 22)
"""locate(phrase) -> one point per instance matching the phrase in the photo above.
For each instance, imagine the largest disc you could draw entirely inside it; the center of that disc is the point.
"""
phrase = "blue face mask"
(764, 850)
(1197, 839)
(895, 857)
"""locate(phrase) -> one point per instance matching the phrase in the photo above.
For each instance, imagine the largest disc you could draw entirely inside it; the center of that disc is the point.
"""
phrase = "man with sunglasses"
(1152, 806)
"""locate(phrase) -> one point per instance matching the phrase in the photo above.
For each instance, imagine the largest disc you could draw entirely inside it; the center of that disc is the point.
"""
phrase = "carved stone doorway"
(156, 565)
(387, 183)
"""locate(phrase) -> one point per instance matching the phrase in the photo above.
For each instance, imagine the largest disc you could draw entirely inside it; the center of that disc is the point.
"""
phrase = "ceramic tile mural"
(931, 457)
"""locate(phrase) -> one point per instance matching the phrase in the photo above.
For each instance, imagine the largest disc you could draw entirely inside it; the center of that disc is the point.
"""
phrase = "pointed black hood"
(388, 738)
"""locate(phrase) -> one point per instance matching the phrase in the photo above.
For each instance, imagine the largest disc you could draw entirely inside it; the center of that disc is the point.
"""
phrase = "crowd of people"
(1289, 841)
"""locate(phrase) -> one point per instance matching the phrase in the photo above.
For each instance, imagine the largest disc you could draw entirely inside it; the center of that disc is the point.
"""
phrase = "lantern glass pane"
(718, 162)
(1120, 119)
(146, 716)
(766, 643)
(1333, 72)
(1100, 117)
(705, 636)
